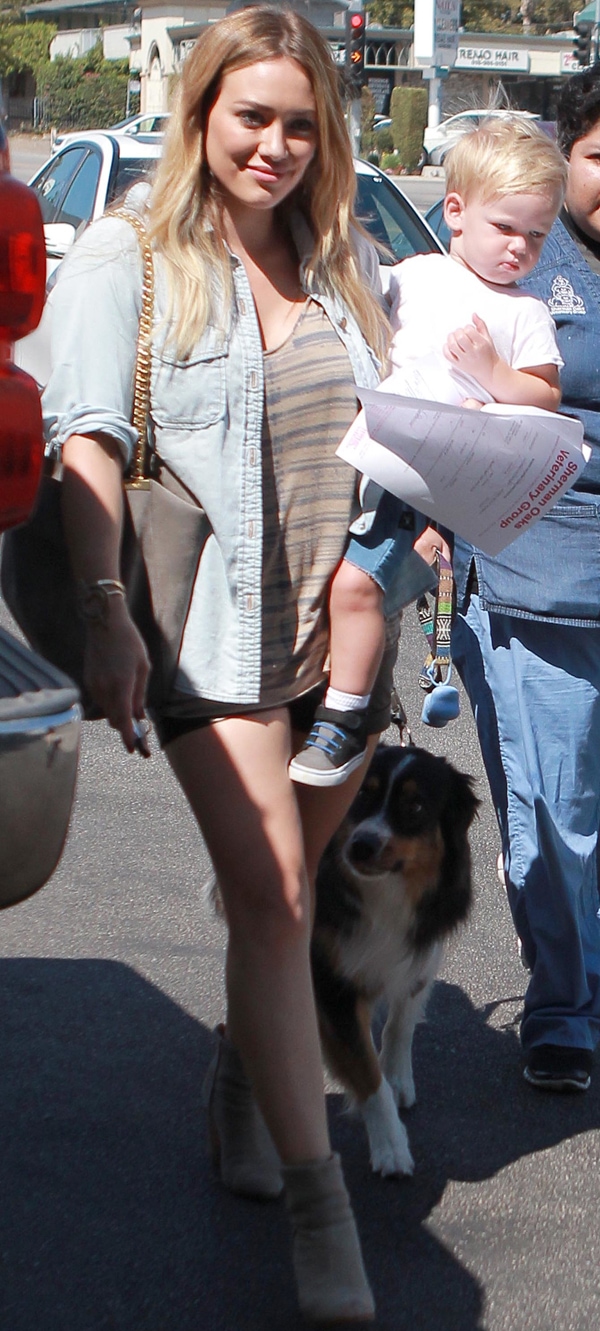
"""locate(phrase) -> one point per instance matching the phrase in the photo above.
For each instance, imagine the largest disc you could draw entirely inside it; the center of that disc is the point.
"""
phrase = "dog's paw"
(388, 1140)
(396, 1067)
(393, 1160)
(403, 1090)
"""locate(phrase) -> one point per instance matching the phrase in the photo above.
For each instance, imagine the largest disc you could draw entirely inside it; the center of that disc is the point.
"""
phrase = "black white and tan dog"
(393, 884)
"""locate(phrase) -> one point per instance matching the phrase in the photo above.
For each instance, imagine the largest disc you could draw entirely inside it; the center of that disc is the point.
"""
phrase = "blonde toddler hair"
(506, 155)
(184, 209)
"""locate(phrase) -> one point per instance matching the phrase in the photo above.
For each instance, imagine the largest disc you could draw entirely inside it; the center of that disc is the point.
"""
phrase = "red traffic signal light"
(355, 45)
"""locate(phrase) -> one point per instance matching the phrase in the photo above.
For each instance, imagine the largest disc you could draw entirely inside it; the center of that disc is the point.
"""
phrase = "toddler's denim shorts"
(386, 553)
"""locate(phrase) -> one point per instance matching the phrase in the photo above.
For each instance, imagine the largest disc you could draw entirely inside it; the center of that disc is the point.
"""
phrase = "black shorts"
(301, 710)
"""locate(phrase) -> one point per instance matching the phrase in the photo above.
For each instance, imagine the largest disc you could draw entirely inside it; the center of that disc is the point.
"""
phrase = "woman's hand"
(430, 544)
(116, 669)
(116, 665)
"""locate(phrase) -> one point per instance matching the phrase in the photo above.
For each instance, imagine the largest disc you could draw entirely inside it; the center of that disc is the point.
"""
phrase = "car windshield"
(389, 220)
(128, 171)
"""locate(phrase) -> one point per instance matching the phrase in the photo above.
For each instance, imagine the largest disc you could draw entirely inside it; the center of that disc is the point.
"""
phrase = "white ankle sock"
(346, 702)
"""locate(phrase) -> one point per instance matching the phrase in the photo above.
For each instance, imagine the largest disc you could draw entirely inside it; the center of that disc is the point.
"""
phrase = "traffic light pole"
(355, 67)
(354, 124)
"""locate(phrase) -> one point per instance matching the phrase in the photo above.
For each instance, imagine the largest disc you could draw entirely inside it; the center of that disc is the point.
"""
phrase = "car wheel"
(423, 160)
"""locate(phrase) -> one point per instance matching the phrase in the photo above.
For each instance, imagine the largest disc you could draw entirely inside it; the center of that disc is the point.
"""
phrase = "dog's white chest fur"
(378, 950)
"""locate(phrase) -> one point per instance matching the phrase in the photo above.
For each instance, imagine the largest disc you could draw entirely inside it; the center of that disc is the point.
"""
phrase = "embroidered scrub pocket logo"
(563, 299)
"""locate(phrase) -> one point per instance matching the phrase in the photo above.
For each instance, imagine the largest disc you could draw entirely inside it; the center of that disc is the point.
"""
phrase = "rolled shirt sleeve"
(94, 319)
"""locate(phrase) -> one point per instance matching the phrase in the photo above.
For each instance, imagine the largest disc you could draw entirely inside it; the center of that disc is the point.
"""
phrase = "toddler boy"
(463, 333)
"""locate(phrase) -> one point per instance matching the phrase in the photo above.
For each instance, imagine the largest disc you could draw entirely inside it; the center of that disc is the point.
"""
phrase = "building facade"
(156, 35)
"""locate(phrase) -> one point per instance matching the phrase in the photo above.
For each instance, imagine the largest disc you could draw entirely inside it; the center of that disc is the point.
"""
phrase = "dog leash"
(435, 618)
(399, 718)
(442, 703)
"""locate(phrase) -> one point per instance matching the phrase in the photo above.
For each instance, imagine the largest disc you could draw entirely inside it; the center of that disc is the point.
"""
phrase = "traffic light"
(355, 46)
(582, 43)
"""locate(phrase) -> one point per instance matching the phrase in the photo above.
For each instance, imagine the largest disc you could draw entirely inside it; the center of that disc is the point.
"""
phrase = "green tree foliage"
(392, 13)
(535, 16)
(408, 109)
(24, 46)
(84, 92)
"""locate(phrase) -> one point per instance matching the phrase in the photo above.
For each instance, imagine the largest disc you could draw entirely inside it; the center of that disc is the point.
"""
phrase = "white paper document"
(488, 475)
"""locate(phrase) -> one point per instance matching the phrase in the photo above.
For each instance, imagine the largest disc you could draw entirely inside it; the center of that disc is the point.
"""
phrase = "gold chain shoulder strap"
(140, 464)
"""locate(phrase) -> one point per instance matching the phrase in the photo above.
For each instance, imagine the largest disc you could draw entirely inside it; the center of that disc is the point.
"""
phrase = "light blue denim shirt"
(206, 417)
(552, 572)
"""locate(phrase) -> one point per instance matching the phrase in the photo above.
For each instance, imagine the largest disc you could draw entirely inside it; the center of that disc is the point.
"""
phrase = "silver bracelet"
(94, 598)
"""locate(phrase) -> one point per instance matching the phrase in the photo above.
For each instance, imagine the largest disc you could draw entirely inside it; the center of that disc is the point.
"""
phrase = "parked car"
(40, 717)
(152, 122)
(439, 139)
(139, 126)
(435, 217)
(89, 172)
(74, 187)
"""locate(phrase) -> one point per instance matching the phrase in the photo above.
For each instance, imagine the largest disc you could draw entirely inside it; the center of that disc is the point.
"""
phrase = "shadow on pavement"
(474, 1117)
(111, 1217)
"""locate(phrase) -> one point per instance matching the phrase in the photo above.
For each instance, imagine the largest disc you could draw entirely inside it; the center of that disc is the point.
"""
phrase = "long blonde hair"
(184, 211)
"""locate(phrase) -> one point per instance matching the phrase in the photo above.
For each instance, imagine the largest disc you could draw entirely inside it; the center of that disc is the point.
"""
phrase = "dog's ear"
(462, 802)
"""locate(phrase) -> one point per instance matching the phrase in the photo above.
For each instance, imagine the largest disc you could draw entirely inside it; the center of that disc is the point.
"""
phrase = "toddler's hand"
(471, 349)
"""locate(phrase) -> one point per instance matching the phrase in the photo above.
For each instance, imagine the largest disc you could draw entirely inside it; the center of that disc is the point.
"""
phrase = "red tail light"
(21, 443)
(22, 259)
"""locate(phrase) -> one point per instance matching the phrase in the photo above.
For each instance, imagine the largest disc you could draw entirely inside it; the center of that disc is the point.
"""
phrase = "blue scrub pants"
(535, 692)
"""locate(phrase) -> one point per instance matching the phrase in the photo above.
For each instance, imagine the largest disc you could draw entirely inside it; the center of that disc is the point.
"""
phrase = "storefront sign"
(436, 32)
(380, 89)
(569, 63)
(492, 57)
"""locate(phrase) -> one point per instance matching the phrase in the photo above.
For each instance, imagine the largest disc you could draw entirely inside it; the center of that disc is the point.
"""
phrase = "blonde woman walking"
(266, 318)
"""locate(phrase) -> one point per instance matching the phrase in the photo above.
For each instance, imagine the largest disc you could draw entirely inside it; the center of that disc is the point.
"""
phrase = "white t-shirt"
(431, 295)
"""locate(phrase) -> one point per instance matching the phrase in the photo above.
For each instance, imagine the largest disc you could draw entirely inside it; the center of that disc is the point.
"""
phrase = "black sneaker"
(335, 747)
(558, 1067)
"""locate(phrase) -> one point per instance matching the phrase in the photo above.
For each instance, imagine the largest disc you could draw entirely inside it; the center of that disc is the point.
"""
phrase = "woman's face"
(261, 133)
(583, 190)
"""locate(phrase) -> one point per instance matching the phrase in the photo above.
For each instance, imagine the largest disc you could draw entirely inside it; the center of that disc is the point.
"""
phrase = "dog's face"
(411, 811)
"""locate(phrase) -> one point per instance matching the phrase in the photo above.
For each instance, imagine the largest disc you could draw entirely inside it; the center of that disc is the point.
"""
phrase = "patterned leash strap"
(435, 618)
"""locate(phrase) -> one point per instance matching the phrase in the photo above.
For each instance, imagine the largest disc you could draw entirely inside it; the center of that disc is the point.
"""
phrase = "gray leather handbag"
(164, 532)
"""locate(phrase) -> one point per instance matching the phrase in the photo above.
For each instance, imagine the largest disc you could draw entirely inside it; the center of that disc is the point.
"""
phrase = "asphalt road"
(111, 1218)
(110, 983)
(27, 153)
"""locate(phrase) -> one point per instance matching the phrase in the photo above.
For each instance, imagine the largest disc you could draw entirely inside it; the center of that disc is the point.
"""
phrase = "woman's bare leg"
(234, 774)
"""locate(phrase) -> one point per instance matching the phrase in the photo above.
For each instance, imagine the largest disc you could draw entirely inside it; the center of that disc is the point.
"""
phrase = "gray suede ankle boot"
(241, 1144)
(331, 1280)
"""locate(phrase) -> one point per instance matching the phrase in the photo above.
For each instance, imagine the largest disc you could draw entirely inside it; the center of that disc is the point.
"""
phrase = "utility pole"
(435, 44)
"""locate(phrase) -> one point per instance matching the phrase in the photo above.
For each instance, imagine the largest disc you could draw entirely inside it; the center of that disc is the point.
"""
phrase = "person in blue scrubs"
(526, 641)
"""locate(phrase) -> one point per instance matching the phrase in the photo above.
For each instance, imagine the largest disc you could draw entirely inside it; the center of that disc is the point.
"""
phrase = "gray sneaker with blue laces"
(335, 747)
